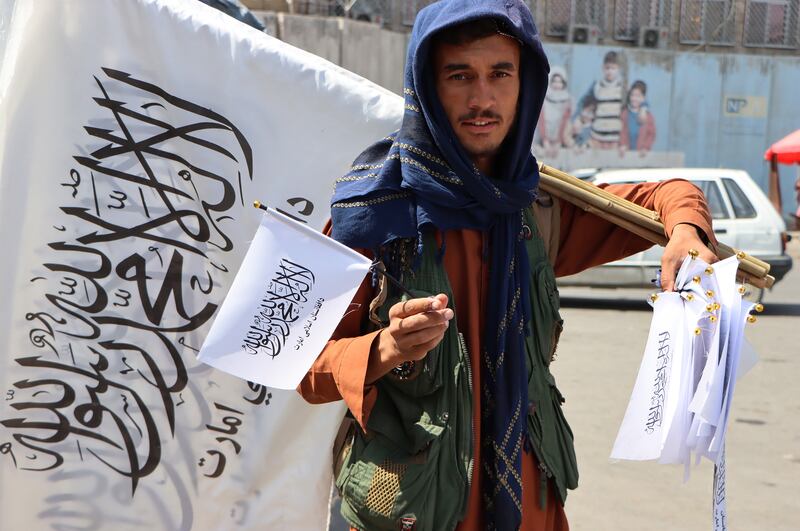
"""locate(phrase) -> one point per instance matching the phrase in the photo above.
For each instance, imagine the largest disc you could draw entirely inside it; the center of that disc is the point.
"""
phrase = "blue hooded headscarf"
(422, 179)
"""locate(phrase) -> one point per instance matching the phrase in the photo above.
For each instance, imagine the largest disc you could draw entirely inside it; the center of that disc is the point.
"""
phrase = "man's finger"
(422, 350)
(414, 306)
(415, 340)
(411, 307)
(668, 272)
(708, 256)
(424, 320)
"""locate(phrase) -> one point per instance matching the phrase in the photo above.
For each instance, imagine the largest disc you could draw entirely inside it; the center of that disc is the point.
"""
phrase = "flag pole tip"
(260, 205)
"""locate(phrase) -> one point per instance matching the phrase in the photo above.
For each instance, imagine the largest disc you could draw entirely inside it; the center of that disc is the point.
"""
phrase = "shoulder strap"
(547, 213)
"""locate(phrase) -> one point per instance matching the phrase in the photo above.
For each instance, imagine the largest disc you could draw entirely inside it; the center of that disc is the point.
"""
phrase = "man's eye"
(458, 77)
(502, 74)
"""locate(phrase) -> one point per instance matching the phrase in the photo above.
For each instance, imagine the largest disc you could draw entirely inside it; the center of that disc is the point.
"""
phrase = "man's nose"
(481, 95)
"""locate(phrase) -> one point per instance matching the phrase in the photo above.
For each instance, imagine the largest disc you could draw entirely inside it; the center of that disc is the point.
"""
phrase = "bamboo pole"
(636, 219)
(602, 199)
(594, 190)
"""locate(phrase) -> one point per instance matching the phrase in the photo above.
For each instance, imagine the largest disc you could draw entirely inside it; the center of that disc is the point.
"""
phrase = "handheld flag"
(292, 289)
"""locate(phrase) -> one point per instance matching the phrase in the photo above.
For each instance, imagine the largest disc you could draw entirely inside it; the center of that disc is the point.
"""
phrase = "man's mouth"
(480, 126)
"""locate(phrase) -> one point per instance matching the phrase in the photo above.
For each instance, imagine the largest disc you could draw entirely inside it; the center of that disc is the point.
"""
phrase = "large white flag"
(134, 135)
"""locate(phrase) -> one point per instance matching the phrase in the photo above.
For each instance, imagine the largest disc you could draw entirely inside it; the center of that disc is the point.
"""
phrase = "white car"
(742, 217)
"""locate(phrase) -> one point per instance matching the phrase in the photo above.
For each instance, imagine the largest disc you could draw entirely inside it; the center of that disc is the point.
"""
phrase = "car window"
(742, 207)
(714, 198)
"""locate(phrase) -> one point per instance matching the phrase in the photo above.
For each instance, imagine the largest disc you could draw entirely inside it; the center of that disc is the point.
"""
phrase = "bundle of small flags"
(695, 352)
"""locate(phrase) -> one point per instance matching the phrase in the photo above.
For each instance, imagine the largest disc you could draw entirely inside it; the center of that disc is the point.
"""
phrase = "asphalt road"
(599, 355)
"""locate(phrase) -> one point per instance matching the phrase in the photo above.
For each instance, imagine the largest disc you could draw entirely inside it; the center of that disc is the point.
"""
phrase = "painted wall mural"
(610, 107)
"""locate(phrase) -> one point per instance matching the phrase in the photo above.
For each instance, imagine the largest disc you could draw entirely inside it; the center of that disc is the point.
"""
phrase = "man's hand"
(416, 326)
(684, 237)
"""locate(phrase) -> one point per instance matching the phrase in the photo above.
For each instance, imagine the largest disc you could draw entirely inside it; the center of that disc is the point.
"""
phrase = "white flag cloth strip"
(695, 352)
(134, 136)
(290, 293)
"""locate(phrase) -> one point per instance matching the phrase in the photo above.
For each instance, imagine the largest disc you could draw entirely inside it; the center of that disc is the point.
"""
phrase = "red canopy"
(787, 150)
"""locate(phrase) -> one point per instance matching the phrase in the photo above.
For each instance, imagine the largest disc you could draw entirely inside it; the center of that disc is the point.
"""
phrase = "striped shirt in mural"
(606, 125)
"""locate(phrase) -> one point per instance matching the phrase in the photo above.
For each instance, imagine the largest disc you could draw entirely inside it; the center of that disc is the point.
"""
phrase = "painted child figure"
(582, 124)
(607, 92)
(638, 125)
(553, 129)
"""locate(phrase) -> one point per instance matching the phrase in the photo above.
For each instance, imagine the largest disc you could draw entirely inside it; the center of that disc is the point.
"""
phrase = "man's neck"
(485, 164)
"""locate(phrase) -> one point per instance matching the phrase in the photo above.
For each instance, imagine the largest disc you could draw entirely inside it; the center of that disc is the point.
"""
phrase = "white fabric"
(643, 430)
(695, 353)
(134, 136)
(291, 291)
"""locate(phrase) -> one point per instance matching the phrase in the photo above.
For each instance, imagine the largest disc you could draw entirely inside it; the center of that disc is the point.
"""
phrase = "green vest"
(413, 467)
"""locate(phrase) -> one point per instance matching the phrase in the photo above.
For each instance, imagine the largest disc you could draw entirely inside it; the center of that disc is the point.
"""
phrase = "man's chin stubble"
(485, 152)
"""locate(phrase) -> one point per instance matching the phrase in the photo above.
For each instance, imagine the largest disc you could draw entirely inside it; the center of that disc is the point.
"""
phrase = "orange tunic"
(585, 241)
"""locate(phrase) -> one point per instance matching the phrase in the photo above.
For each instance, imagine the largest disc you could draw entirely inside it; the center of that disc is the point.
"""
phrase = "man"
(797, 198)
(457, 420)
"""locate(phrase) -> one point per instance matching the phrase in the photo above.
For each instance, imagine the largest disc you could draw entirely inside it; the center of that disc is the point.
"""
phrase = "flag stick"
(381, 269)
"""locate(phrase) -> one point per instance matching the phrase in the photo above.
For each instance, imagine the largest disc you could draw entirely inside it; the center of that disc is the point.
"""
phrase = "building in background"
(708, 83)
(740, 26)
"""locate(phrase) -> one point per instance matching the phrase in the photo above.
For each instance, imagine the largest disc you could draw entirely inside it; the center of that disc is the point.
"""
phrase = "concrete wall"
(784, 117)
(266, 5)
(361, 47)
(321, 36)
(392, 60)
(712, 110)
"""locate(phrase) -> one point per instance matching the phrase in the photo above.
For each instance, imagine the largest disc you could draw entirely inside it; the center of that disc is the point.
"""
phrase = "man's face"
(478, 86)
(610, 71)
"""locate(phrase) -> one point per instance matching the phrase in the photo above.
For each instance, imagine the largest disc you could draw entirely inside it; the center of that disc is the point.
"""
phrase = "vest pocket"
(412, 464)
(381, 485)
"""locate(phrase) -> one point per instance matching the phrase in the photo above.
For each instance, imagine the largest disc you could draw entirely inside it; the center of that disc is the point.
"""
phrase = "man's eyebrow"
(504, 66)
(455, 66)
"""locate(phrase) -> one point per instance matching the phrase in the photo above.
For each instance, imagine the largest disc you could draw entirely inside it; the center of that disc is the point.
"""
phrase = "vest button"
(444, 416)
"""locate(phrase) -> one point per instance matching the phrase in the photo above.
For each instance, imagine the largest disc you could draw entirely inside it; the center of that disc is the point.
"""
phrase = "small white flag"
(695, 353)
(289, 295)
(645, 426)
